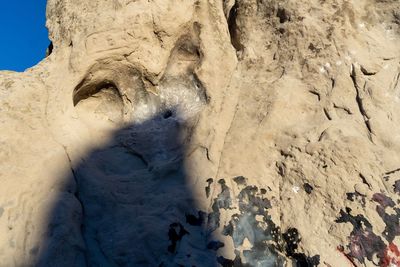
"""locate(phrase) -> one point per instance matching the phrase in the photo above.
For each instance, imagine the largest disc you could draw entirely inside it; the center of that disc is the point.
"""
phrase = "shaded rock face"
(205, 133)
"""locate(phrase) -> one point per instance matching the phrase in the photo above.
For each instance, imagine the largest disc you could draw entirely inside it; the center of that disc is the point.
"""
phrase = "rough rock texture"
(205, 133)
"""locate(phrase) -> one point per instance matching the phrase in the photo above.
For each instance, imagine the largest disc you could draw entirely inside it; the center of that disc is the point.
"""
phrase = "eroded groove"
(392, 171)
(360, 103)
(328, 116)
(315, 93)
(367, 72)
(346, 109)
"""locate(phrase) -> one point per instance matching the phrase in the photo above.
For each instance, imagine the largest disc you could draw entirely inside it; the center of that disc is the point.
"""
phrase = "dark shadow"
(128, 204)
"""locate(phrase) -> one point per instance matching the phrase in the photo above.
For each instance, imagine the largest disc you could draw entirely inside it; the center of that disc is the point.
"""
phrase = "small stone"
(308, 188)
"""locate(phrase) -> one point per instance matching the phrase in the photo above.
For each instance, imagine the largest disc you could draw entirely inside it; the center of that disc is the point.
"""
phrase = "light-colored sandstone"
(108, 144)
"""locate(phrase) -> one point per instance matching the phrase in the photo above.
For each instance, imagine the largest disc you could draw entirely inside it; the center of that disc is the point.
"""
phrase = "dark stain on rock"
(396, 187)
(196, 221)
(392, 221)
(383, 200)
(215, 245)
(175, 234)
(228, 229)
(240, 180)
(222, 201)
(225, 262)
(283, 15)
(291, 240)
(248, 199)
(355, 196)
(364, 243)
(268, 243)
(237, 262)
(208, 187)
(304, 261)
(269, 246)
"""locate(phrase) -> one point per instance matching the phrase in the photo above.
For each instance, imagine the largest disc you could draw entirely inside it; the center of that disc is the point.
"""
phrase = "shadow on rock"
(126, 204)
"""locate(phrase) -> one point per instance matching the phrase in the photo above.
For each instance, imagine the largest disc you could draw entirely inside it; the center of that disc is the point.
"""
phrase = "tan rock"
(165, 133)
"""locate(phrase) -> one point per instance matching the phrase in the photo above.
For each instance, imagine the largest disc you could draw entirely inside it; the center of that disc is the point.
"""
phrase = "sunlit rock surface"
(205, 133)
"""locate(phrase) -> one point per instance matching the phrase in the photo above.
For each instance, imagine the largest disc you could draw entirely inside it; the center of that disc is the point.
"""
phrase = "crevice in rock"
(333, 83)
(233, 27)
(76, 194)
(328, 116)
(316, 94)
(70, 164)
(207, 153)
(346, 109)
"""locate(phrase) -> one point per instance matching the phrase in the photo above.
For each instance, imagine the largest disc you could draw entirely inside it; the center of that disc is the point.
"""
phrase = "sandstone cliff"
(205, 133)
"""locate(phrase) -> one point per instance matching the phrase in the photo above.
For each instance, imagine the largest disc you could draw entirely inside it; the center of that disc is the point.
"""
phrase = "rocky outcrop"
(205, 133)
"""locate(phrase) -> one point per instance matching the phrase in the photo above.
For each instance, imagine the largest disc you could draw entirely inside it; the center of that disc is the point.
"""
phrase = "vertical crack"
(360, 103)
(76, 194)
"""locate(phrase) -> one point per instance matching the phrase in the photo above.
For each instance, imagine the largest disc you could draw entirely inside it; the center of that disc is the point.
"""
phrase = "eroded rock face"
(205, 133)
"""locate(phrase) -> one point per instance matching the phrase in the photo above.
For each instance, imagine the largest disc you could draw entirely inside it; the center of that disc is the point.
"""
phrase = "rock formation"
(205, 133)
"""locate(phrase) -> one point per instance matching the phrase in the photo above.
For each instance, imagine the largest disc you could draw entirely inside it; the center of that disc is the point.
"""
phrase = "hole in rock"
(283, 15)
(100, 101)
(167, 114)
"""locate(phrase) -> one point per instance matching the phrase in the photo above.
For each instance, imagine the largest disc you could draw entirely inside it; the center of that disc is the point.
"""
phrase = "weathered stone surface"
(205, 133)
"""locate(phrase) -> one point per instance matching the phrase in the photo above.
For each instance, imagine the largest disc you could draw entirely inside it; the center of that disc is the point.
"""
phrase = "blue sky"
(23, 35)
